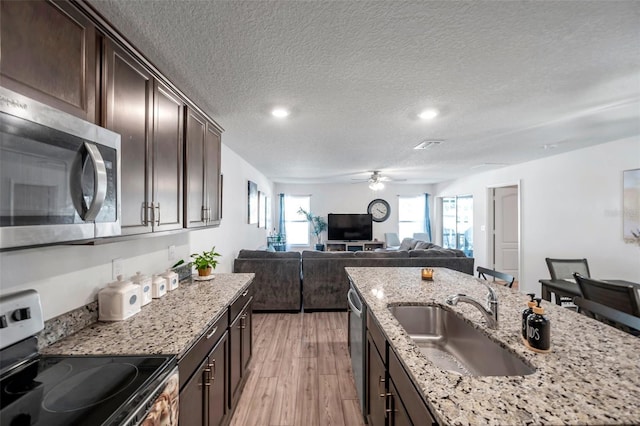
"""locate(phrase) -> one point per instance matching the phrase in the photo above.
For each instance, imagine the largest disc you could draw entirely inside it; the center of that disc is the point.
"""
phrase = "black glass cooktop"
(77, 390)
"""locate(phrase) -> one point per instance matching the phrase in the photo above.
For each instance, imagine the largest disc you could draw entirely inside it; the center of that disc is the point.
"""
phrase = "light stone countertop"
(592, 375)
(169, 325)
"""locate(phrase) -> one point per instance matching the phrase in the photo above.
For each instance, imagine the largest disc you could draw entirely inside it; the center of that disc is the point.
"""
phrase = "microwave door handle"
(99, 182)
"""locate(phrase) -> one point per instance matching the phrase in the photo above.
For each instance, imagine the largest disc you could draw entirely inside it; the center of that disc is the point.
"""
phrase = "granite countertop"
(591, 376)
(169, 325)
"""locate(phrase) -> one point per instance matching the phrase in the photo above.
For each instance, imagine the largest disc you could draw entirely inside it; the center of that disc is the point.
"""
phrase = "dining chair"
(623, 298)
(391, 239)
(484, 272)
(608, 315)
(563, 269)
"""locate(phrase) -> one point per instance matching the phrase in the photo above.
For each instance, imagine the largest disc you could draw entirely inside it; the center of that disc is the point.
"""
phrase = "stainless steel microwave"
(59, 175)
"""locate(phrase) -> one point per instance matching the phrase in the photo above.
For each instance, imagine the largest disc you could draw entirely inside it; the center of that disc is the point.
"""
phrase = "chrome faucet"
(490, 311)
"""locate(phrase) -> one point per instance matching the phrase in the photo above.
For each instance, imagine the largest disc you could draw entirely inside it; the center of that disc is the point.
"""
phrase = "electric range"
(77, 390)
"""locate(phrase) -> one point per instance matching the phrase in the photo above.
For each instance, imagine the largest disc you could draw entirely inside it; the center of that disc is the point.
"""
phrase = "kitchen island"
(169, 325)
(591, 375)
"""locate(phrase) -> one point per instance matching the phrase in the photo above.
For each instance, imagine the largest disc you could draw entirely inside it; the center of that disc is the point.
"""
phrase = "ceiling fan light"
(376, 185)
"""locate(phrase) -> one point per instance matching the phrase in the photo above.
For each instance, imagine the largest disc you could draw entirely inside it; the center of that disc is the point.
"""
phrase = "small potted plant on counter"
(319, 226)
(206, 261)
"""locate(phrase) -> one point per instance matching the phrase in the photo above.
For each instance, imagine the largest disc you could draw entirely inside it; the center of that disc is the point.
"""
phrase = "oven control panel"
(20, 317)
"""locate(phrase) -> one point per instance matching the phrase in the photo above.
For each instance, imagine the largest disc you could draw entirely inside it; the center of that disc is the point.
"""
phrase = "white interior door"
(505, 230)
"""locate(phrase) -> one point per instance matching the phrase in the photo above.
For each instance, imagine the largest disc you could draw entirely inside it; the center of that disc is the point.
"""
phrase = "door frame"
(489, 223)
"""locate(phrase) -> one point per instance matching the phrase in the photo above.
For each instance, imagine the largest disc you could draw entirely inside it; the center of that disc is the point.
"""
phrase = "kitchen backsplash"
(68, 323)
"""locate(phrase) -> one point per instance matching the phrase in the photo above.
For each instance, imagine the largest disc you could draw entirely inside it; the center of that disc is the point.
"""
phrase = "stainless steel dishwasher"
(356, 341)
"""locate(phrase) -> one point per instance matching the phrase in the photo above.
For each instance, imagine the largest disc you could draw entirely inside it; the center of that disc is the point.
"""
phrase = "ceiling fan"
(376, 180)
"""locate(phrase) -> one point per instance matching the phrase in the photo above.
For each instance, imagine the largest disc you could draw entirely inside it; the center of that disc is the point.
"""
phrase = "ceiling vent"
(488, 165)
(428, 144)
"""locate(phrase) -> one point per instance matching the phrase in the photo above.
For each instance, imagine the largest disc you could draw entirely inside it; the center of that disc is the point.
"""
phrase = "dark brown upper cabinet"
(203, 146)
(149, 117)
(48, 52)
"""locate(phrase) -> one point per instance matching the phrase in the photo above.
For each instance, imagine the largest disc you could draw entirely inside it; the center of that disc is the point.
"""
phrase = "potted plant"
(206, 261)
(319, 225)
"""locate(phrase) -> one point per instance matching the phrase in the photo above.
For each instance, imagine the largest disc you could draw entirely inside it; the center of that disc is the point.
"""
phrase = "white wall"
(68, 277)
(354, 198)
(571, 207)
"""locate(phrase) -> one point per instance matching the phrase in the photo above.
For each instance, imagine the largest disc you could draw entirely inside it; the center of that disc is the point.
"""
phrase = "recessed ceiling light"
(428, 114)
(280, 113)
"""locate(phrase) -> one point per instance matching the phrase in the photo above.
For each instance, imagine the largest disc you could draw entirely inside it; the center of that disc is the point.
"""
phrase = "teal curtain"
(281, 229)
(427, 219)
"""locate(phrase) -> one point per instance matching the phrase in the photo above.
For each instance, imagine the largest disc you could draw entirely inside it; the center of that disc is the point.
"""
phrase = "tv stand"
(354, 245)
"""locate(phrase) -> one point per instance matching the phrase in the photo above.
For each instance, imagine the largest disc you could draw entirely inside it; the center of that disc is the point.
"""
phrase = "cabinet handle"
(145, 214)
(388, 411)
(212, 366)
(382, 394)
(207, 376)
(157, 207)
(245, 293)
(243, 325)
(210, 335)
(153, 213)
(208, 214)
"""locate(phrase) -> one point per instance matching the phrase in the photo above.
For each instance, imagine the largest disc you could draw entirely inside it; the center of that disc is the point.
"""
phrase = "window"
(457, 223)
(296, 225)
(410, 215)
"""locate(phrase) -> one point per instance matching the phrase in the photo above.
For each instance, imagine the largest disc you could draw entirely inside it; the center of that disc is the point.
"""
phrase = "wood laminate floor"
(300, 374)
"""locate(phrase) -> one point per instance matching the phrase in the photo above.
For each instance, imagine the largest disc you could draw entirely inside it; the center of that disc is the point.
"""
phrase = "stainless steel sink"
(453, 344)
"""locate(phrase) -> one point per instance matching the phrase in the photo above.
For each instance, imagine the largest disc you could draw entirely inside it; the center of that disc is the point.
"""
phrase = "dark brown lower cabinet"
(203, 399)
(398, 415)
(216, 371)
(241, 349)
(192, 399)
(391, 397)
(376, 393)
(406, 407)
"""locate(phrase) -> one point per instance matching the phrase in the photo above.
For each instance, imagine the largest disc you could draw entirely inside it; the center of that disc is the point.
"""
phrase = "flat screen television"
(350, 227)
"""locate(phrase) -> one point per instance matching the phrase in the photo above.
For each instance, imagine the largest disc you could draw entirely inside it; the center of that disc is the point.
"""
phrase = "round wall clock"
(379, 209)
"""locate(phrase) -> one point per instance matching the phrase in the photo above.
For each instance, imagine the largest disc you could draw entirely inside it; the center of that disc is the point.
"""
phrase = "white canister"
(144, 282)
(158, 287)
(172, 279)
(119, 300)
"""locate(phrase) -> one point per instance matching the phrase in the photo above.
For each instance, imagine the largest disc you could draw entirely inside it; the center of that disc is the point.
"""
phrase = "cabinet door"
(217, 384)
(192, 402)
(246, 325)
(128, 110)
(167, 159)
(212, 173)
(235, 357)
(195, 197)
(48, 53)
(376, 392)
(397, 413)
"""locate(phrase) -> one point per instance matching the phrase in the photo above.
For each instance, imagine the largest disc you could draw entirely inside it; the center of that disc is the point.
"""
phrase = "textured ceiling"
(508, 78)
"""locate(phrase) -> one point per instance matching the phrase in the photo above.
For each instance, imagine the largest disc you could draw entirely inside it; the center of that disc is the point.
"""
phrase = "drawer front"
(240, 302)
(188, 363)
(408, 393)
(376, 334)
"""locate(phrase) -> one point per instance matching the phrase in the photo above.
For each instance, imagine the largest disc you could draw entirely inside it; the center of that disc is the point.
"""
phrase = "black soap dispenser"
(525, 314)
(538, 330)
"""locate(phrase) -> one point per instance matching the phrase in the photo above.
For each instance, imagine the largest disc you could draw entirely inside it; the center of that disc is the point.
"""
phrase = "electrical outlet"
(172, 253)
(117, 268)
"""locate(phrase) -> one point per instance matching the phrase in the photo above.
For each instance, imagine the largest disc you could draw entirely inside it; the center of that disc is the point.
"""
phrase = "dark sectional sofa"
(321, 279)
(278, 283)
